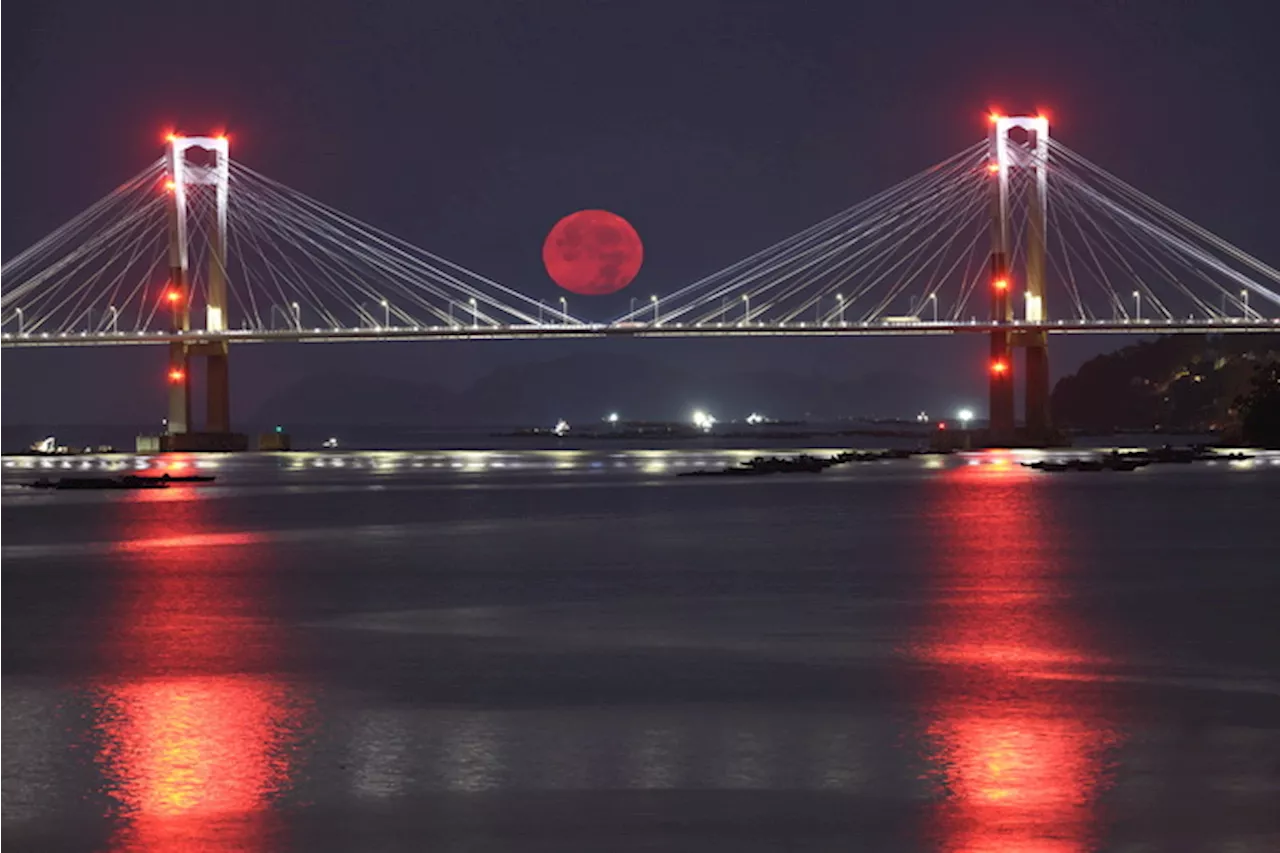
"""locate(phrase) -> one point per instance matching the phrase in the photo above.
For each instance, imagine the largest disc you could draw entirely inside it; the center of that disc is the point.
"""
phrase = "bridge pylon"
(1000, 407)
(1030, 155)
(182, 175)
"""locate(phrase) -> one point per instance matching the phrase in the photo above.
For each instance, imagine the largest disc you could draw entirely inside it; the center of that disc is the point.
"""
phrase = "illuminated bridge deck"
(634, 330)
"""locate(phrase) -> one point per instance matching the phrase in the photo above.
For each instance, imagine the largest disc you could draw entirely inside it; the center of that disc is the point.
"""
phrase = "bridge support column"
(1000, 414)
(217, 378)
(1039, 423)
(218, 391)
(177, 295)
(179, 389)
(1030, 157)
(1000, 395)
(185, 178)
(1036, 398)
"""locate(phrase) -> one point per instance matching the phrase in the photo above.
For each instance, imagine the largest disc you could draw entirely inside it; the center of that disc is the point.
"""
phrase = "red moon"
(593, 252)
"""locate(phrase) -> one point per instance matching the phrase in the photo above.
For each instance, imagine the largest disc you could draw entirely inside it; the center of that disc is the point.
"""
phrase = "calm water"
(579, 651)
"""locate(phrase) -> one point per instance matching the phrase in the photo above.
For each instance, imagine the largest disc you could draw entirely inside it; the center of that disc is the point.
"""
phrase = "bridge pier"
(217, 391)
(1030, 155)
(1000, 389)
(1036, 399)
(179, 389)
(217, 434)
(1000, 410)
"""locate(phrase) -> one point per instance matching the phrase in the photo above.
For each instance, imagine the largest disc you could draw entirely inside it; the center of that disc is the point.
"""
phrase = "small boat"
(762, 466)
(173, 478)
(1111, 462)
(1050, 465)
(724, 472)
(870, 455)
(87, 483)
(800, 464)
(1175, 455)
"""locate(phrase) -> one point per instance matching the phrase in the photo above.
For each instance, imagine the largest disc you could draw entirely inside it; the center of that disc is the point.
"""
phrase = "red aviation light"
(1001, 284)
(173, 296)
(999, 367)
(176, 375)
(170, 185)
(993, 168)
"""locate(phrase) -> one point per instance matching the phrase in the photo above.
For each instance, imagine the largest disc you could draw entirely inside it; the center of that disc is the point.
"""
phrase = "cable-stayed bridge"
(1016, 237)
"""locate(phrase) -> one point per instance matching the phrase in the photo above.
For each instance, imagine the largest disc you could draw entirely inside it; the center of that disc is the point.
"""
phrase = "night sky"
(470, 128)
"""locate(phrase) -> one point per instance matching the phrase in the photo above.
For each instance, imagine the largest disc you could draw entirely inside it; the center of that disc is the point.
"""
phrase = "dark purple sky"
(470, 127)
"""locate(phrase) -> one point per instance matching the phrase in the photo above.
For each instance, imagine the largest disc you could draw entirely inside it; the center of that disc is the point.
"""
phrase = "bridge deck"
(649, 330)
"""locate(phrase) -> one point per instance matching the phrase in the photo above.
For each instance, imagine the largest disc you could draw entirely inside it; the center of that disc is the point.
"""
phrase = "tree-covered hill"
(1179, 382)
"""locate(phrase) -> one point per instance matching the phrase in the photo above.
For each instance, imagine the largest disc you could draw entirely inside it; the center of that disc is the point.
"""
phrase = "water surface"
(577, 650)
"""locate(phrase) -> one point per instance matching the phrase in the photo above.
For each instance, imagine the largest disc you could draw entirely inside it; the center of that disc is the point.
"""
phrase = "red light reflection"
(1022, 759)
(188, 755)
(196, 744)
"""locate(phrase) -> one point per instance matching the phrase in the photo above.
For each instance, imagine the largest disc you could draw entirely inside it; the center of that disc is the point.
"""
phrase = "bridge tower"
(182, 175)
(1029, 156)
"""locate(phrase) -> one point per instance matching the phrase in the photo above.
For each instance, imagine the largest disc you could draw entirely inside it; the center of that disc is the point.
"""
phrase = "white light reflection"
(472, 760)
(31, 784)
(380, 759)
(746, 761)
(835, 764)
(655, 760)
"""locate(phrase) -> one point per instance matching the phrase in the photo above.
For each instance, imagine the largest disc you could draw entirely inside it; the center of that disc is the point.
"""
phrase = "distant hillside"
(585, 387)
(1180, 382)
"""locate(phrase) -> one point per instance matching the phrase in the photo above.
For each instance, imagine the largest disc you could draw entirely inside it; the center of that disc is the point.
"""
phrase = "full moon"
(592, 252)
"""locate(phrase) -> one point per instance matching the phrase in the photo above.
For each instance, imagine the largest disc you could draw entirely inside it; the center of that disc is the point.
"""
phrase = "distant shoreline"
(625, 436)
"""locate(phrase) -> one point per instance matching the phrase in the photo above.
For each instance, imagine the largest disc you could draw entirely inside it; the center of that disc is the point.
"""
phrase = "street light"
(475, 314)
(654, 300)
(965, 415)
(1137, 305)
(115, 319)
(18, 311)
(564, 310)
(386, 314)
(613, 417)
(933, 298)
(840, 301)
(297, 315)
(1244, 297)
(746, 317)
